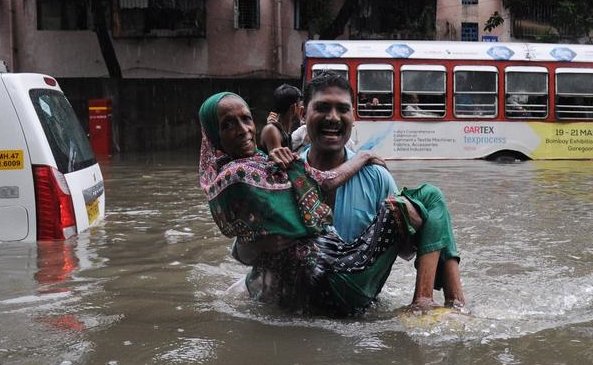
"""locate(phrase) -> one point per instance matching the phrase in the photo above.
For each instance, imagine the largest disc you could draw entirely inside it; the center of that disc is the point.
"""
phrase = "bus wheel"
(507, 156)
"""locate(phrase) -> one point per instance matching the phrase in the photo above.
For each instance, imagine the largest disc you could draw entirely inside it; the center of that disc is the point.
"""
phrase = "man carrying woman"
(298, 260)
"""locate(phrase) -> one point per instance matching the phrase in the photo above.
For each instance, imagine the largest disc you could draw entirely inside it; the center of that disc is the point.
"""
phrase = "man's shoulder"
(372, 176)
(376, 174)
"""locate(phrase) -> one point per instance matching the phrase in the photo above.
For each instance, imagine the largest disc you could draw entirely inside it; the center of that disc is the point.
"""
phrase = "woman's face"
(236, 128)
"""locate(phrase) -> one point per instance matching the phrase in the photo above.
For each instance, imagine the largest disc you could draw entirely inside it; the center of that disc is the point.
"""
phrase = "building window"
(159, 18)
(300, 15)
(469, 32)
(469, 2)
(247, 14)
(64, 15)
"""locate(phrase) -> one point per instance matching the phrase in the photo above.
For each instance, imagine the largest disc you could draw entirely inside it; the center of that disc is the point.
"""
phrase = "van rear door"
(73, 155)
(17, 196)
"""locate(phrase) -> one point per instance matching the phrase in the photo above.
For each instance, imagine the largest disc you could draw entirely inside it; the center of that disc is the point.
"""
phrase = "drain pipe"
(279, 68)
(11, 37)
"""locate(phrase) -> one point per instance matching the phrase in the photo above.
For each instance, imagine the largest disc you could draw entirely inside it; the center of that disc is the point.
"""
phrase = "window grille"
(375, 91)
(159, 18)
(475, 92)
(247, 14)
(423, 92)
(574, 93)
(526, 92)
(64, 15)
(469, 32)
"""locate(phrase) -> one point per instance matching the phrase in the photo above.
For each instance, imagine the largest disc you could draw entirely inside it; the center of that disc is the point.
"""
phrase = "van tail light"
(55, 212)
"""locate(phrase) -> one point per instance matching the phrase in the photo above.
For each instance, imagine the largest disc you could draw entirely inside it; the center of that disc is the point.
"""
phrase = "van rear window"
(69, 144)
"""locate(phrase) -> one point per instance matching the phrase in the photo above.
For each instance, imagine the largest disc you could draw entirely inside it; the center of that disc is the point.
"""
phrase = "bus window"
(475, 91)
(375, 91)
(526, 94)
(340, 68)
(423, 91)
(574, 93)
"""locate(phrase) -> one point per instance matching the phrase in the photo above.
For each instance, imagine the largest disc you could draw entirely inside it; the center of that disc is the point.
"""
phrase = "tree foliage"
(494, 21)
(572, 19)
(371, 18)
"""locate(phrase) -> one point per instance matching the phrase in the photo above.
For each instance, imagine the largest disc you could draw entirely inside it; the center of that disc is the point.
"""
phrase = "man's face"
(236, 128)
(329, 119)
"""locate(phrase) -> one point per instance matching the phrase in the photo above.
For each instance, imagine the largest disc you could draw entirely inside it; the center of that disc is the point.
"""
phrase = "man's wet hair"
(326, 79)
(284, 96)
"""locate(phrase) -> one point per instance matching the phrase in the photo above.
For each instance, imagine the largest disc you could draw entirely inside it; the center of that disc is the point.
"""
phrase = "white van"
(51, 186)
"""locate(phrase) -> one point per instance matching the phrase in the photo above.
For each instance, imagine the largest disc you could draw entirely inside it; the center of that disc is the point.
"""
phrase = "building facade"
(154, 38)
(192, 38)
(464, 20)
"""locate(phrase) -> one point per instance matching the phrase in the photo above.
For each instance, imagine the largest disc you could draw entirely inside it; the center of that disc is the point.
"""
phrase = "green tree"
(321, 22)
(371, 17)
(494, 21)
(572, 19)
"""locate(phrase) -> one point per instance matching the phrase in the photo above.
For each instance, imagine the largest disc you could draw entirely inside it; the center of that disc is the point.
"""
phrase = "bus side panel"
(566, 140)
(441, 140)
(17, 196)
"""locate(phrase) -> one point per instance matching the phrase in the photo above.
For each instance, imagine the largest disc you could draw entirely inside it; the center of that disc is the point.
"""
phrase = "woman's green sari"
(251, 197)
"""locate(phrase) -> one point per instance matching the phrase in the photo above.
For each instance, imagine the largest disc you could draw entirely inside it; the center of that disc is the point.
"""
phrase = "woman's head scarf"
(251, 197)
(209, 116)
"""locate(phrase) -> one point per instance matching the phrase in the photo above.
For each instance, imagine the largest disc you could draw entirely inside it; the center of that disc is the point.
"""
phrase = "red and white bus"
(464, 100)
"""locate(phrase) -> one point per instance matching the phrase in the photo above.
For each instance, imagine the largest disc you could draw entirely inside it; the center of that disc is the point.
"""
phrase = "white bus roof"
(445, 50)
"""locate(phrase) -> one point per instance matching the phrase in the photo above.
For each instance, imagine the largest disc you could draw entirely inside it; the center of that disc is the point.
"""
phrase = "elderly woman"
(300, 262)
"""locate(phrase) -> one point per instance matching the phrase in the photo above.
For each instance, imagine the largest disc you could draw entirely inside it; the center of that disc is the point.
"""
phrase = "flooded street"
(149, 285)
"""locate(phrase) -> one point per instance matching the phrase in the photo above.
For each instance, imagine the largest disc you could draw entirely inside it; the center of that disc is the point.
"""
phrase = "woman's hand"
(283, 156)
(345, 171)
(376, 160)
(370, 158)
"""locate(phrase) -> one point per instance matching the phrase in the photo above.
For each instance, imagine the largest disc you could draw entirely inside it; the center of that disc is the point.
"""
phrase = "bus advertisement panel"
(468, 140)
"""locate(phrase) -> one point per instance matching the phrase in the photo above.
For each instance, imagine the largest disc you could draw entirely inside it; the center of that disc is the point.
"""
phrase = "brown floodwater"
(150, 284)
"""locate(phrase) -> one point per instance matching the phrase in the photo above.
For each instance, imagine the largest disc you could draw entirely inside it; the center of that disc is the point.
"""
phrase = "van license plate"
(12, 160)
(92, 210)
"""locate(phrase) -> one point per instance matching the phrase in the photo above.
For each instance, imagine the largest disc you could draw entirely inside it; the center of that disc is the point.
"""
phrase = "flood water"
(149, 285)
